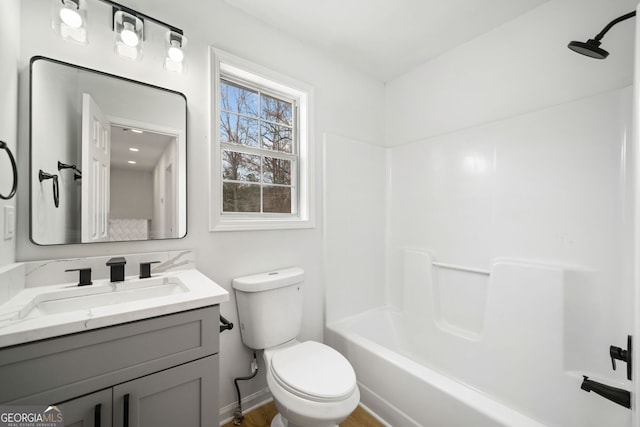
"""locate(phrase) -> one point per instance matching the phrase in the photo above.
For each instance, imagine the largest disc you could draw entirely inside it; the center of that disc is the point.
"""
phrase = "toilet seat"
(313, 371)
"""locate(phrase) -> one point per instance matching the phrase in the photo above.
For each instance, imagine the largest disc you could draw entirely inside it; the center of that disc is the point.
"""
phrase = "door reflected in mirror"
(142, 184)
(119, 150)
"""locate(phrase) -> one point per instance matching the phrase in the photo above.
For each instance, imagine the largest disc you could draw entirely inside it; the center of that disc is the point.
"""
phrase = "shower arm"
(612, 23)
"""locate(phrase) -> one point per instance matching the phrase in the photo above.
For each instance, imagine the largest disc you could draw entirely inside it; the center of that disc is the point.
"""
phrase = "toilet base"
(280, 421)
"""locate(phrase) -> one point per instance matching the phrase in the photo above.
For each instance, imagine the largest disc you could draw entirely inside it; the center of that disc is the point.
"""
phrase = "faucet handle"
(622, 355)
(145, 269)
(85, 276)
(616, 353)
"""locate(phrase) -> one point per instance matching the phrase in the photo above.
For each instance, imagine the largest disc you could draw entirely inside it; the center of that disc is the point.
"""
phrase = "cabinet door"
(185, 396)
(93, 410)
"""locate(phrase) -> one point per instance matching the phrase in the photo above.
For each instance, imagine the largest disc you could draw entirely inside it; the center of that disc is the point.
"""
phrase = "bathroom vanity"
(154, 372)
(150, 362)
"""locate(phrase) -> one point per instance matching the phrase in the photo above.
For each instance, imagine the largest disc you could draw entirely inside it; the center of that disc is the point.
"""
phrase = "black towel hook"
(4, 146)
(77, 173)
(56, 190)
(62, 166)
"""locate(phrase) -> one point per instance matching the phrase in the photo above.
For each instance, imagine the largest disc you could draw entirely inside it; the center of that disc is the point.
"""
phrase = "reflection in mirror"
(119, 149)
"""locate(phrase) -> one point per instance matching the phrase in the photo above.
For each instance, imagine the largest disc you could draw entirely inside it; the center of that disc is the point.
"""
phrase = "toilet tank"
(269, 307)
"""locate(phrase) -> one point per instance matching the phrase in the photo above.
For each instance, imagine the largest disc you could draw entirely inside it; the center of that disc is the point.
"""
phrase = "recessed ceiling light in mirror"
(132, 130)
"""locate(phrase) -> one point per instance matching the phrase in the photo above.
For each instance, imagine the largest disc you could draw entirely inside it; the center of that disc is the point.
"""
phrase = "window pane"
(240, 197)
(240, 167)
(238, 99)
(277, 199)
(275, 137)
(276, 171)
(238, 130)
(275, 110)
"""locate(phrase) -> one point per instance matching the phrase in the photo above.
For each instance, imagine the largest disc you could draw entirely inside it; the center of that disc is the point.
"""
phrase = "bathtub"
(404, 392)
(506, 361)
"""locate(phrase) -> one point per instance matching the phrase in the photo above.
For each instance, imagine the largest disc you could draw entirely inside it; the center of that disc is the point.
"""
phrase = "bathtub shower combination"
(475, 275)
(449, 357)
(489, 287)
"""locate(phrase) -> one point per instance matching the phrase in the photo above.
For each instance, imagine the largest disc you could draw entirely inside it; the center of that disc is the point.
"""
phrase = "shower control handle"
(617, 353)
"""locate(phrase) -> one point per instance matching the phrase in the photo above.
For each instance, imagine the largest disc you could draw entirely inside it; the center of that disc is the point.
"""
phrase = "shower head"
(591, 47)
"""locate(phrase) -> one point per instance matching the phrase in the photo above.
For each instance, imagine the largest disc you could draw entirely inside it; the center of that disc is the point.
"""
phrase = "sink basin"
(44, 310)
(87, 298)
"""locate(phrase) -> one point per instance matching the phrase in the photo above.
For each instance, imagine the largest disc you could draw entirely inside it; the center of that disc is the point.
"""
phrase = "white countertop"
(201, 292)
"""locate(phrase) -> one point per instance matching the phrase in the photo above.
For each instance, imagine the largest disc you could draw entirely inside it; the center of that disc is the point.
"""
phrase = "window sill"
(256, 225)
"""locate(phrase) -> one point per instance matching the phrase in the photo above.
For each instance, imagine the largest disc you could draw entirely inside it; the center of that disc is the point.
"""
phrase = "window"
(259, 150)
(260, 166)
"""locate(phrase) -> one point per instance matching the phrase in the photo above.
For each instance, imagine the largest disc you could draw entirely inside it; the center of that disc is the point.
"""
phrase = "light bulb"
(175, 52)
(70, 16)
(129, 36)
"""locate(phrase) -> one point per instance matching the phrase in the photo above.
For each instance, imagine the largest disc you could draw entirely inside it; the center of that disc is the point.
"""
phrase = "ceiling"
(385, 38)
(150, 146)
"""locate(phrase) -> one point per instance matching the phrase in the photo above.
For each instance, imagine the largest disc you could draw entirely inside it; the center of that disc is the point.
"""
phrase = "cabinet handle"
(125, 422)
(97, 415)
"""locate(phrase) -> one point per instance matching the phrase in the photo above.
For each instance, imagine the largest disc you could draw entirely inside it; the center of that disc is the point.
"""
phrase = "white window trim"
(221, 61)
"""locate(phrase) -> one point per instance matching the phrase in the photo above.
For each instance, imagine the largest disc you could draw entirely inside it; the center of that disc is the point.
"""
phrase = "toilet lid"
(313, 371)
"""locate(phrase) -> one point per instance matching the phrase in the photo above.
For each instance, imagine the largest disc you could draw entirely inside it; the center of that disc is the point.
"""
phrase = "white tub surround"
(492, 344)
(175, 285)
(507, 266)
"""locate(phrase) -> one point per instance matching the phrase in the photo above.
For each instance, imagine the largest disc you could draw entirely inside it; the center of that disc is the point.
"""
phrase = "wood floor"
(261, 417)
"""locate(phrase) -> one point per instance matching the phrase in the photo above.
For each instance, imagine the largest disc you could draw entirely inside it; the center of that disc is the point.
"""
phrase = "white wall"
(347, 103)
(9, 51)
(131, 194)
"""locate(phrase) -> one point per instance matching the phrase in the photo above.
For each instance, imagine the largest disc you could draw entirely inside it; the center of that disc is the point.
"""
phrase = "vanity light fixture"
(131, 162)
(175, 45)
(129, 26)
(129, 34)
(69, 18)
(135, 150)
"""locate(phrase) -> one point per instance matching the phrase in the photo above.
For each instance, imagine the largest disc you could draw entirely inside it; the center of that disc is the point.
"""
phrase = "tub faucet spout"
(618, 395)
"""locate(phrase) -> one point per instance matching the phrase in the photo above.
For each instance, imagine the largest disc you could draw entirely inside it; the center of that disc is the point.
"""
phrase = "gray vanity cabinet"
(156, 372)
(179, 396)
(93, 410)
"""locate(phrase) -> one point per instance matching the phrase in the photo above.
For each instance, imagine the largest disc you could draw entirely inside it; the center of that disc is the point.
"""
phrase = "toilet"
(311, 383)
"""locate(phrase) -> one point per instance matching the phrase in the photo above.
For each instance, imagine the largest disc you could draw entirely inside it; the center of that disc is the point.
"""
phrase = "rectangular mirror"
(108, 157)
